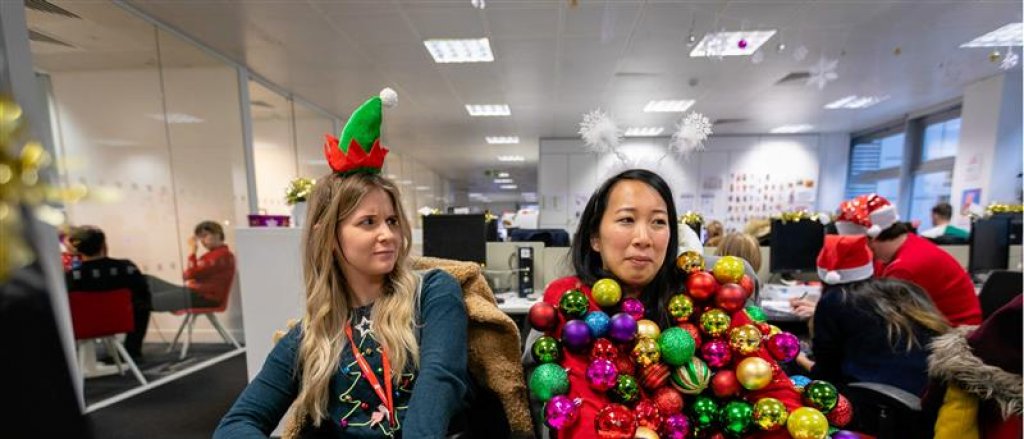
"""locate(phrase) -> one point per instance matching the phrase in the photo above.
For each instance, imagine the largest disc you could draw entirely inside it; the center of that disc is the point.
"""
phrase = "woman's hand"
(191, 245)
(804, 361)
(803, 307)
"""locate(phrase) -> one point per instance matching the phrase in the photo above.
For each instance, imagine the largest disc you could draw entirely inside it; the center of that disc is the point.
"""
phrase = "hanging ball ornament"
(546, 350)
(994, 56)
(716, 353)
(676, 346)
(548, 380)
(821, 395)
(543, 316)
(731, 298)
(725, 384)
(576, 335)
(676, 426)
(634, 307)
(807, 423)
(645, 352)
(745, 339)
(598, 323)
(601, 375)
(748, 285)
(799, 382)
(690, 261)
(615, 421)
(647, 328)
(691, 378)
(754, 373)
(770, 414)
(603, 348)
(841, 414)
(680, 307)
(735, 417)
(655, 376)
(742, 44)
(623, 328)
(645, 433)
(691, 329)
(728, 269)
(715, 322)
(704, 410)
(561, 412)
(606, 292)
(783, 346)
(574, 304)
(669, 401)
(648, 415)
(701, 285)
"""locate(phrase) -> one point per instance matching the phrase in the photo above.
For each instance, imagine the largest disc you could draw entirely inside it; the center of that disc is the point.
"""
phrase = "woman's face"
(634, 233)
(370, 237)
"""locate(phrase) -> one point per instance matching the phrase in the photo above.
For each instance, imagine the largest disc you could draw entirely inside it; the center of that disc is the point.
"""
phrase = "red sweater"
(949, 286)
(212, 274)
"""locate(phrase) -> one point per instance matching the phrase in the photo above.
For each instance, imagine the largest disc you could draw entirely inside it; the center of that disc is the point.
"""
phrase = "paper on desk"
(784, 293)
(777, 306)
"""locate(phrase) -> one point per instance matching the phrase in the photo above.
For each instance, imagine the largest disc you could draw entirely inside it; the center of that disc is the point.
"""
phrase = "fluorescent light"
(529, 196)
(1009, 35)
(488, 110)
(175, 118)
(855, 102)
(423, 188)
(502, 140)
(460, 50)
(503, 175)
(509, 186)
(728, 43)
(503, 180)
(643, 131)
(511, 158)
(676, 106)
(790, 129)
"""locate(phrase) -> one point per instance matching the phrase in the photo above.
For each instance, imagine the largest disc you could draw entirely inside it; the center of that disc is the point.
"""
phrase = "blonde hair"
(743, 246)
(902, 305)
(329, 299)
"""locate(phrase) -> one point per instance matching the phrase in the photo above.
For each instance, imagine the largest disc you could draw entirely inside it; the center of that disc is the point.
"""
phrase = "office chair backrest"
(101, 313)
(1000, 288)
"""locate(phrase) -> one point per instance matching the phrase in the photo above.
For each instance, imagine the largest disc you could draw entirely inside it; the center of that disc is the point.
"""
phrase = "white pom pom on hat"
(874, 230)
(832, 277)
(388, 97)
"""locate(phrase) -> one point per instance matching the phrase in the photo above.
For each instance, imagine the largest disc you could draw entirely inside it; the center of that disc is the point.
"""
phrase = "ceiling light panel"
(509, 186)
(483, 110)
(668, 106)
(728, 43)
(1010, 35)
(643, 131)
(502, 140)
(503, 181)
(469, 50)
(854, 102)
(791, 129)
(511, 158)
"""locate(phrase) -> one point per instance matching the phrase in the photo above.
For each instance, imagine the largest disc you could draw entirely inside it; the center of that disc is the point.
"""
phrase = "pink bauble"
(601, 374)
(676, 426)
(561, 412)
(716, 353)
(784, 346)
(634, 307)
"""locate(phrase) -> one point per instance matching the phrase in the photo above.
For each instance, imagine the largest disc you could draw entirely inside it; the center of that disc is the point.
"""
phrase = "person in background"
(864, 329)
(68, 258)
(742, 246)
(208, 278)
(99, 273)
(760, 229)
(715, 232)
(942, 213)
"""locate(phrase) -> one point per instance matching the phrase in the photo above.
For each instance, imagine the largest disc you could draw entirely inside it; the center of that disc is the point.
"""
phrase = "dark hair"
(894, 231)
(88, 240)
(943, 210)
(905, 307)
(587, 262)
(210, 227)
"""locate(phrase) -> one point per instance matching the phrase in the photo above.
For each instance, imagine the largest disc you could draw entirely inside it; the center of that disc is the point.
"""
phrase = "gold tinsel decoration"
(299, 190)
(797, 216)
(20, 163)
(691, 218)
(996, 208)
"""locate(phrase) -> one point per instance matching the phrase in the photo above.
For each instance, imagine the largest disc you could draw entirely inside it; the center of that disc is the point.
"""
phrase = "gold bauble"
(647, 328)
(645, 352)
(745, 339)
(754, 373)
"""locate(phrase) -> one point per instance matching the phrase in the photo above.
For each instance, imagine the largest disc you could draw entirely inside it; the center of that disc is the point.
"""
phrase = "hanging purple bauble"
(784, 346)
(742, 44)
(845, 434)
(623, 328)
(634, 307)
(561, 412)
(676, 426)
(576, 335)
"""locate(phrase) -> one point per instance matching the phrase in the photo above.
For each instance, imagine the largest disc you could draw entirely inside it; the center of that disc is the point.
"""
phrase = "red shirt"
(949, 286)
(212, 274)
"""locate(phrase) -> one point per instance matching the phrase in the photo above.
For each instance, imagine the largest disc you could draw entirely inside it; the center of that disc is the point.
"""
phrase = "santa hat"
(866, 214)
(845, 259)
(359, 149)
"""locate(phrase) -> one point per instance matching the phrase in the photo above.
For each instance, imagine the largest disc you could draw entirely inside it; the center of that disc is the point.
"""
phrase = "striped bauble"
(692, 377)
(655, 376)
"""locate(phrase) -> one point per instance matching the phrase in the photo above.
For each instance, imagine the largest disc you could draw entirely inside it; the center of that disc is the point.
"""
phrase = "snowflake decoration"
(757, 57)
(1010, 60)
(800, 53)
(599, 132)
(823, 72)
(691, 132)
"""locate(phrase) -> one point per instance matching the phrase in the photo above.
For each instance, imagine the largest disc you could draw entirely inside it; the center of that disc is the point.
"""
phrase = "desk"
(515, 306)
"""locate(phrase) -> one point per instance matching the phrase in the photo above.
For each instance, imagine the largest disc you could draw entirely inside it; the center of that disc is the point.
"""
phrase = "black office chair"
(1000, 288)
(886, 412)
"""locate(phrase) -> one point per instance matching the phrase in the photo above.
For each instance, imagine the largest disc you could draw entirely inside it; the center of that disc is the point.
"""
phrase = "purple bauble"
(623, 328)
(602, 375)
(634, 307)
(784, 346)
(561, 412)
(716, 353)
(676, 426)
(845, 434)
(576, 335)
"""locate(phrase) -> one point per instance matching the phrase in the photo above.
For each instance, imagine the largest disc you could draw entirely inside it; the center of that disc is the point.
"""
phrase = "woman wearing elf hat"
(381, 350)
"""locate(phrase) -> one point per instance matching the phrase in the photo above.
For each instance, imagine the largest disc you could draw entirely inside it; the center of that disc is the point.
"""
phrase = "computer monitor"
(458, 237)
(795, 246)
(990, 244)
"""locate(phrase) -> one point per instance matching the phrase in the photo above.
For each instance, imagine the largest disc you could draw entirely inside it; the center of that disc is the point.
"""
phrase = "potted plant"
(296, 195)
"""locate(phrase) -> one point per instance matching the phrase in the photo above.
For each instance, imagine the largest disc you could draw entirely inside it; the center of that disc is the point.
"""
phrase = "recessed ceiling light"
(423, 188)
(511, 158)
(503, 175)
(676, 106)
(175, 118)
(488, 110)
(509, 186)
(503, 180)
(502, 140)
(790, 129)
(729, 43)
(855, 102)
(460, 50)
(643, 131)
(1009, 35)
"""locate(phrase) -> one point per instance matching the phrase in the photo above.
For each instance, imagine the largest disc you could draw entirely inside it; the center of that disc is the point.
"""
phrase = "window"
(874, 165)
(941, 139)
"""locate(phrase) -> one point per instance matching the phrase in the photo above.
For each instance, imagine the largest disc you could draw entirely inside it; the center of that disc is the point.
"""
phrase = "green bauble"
(715, 322)
(574, 304)
(546, 350)
(705, 411)
(735, 417)
(626, 389)
(606, 292)
(548, 380)
(821, 395)
(770, 414)
(756, 314)
(676, 346)
(680, 307)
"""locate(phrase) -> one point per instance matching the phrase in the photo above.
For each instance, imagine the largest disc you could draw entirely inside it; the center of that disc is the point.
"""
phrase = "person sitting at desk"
(864, 329)
(942, 213)
(207, 278)
(742, 246)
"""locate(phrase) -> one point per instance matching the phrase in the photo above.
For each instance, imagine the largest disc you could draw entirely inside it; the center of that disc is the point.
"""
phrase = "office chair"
(102, 315)
(886, 412)
(999, 289)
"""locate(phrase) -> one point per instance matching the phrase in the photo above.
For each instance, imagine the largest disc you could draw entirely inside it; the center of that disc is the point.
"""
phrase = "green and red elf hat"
(359, 149)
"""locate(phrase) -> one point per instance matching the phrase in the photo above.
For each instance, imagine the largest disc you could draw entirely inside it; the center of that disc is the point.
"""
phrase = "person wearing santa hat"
(901, 254)
(869, 329)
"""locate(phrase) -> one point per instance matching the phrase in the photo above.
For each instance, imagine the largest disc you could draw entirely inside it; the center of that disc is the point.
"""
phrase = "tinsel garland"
(996, 208)
(690, 218)
(800, 215)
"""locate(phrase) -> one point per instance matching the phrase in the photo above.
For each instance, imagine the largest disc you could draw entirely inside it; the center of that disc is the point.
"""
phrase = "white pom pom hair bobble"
(388, 97)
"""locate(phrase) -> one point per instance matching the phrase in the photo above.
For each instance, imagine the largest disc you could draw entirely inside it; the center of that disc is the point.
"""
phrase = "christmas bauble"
(647, 328)
(676, 426)
(645, 352)
(615, 421)
(676, 345)
(669, 401)
(598, 322)
(716, 353)
(691, 329)
(576, 335)
(755, 313)
(730, 298)
(745, 339)
(770, 414)
(728, 269)
(821, 395)
(690, 261)
(680, 307)
(626, 389)
(624, 365)
(645, 433)
(634, 307)
(603, 348)
(548, 380)
(844, 434)
(748, 285)
(691, 378)
(648, 415)
(800, 381)
(704, 410)
(754, 373)
(655, 376)
(601, 375)
(783, 346)
(701, 285)
(561, 412)
(623, 328)
(715, 322)
(574, 304)
(735, 417)
(546, 350)
(725, 384)
(543, 316)
(774, 330)
(807, 423)
(841, 414)
(606, 292)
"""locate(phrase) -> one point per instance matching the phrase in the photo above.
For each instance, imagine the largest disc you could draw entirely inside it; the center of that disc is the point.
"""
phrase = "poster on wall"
(755, 195)
(970, 202)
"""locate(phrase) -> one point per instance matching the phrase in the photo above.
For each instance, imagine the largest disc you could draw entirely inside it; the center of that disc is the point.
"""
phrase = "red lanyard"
(384, 393)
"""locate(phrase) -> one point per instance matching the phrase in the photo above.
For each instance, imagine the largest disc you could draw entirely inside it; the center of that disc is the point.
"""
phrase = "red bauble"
(654, 376)
(603, 348)
(724, 383)
(543, 317)
(701, 285)
(624, 365)
(615, 421)
(694, 332)
(764, 327)
(731, 298)
(748, 285)
(668, 400)
(841, 414)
